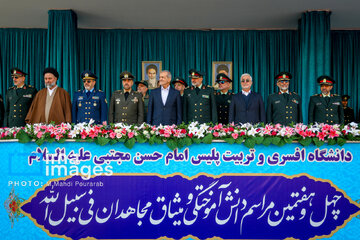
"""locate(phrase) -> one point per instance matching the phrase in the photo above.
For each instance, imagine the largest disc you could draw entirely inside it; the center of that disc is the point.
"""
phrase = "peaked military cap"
(52, 71)
(88, 75)
(179, 80)
(222, 77)
(325, 80)
(142, 82)
(126, 75)
(17, 72)
(195, 73)
(345, 97)
(283, 76)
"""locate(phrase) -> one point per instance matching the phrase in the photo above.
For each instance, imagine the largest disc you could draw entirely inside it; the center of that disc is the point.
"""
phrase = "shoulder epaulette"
(316, 95)
(295, 93)
(100, 90)
(336, 95)
(79, 90)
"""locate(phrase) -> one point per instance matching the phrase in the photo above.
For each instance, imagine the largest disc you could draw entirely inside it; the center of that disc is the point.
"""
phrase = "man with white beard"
(284, 107)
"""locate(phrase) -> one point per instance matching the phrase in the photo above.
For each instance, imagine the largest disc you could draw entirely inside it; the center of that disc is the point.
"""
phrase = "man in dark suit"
(246, 106)
(89, 103)
(326, 107)
(126, 105)
(199, 101)
(284, 107)
(18, 99)
(223, 97)
(164, 103)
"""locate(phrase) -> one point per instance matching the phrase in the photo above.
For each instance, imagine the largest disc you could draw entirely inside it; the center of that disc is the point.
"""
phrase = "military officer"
(223, 97)
(349, 115)
(89, 103)
(18, 99)
(284, 107)
(142, 87)
(326, 107)
(180, 85)
(126, 105)
(199, 100)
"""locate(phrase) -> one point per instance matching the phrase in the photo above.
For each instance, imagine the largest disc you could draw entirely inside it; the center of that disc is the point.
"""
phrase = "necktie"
(87, 94)
(197, 90)
(126, 95)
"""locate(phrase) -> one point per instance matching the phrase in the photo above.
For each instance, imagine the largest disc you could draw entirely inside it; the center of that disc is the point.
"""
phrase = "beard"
(50, 85)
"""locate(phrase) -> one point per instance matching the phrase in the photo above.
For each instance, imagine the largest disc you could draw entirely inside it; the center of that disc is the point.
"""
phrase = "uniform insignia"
(28, 96)
(193, 73)
(189, 94)
(276, 102)
(105, 101)
(126, 76)
(95, 97)
(117, 100)
(135, 100)
(295, 101)
(80, 98)
(86, 75)
(95, 104)
(336, 103)
(319, 103)
(205, 96)
(14, 71)
(229, 101)
(79, 105)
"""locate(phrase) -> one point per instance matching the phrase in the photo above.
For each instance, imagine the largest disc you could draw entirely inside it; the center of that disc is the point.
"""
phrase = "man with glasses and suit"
(89, 103)
(247, 106)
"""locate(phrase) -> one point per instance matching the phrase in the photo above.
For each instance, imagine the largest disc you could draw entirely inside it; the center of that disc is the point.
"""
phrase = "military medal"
(135, 100)
(94, 104)
(79, 104)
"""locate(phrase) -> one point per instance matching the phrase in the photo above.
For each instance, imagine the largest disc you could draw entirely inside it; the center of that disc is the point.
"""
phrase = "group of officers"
(166, 104)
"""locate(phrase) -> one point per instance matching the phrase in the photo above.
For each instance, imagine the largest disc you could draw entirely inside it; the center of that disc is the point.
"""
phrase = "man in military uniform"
(18, 99)
(126, 105)
(89, 103)
(142, 87)
(349, 115)
(223, 97)
(284, 107)
(326, 107)
(199, 100)
(180, 85)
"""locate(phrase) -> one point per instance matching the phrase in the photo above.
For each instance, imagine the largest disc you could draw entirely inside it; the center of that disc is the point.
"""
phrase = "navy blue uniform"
(85, 108)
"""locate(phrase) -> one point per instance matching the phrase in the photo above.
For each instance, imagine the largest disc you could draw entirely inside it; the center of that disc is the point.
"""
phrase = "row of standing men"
(167, 105)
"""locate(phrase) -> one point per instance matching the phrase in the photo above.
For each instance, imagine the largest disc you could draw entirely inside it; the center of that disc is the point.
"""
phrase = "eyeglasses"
(245, 80)
(16, 77)
(87, 81)
(221, 82)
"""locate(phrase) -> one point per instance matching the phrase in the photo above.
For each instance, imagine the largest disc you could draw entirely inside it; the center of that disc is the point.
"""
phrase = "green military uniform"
(18, 102)
(284, 108)
(129, 111)
(326, 109)
(200, 106)
(223, 104)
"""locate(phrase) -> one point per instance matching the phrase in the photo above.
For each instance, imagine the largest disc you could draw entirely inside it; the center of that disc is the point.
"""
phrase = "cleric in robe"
(52, 103)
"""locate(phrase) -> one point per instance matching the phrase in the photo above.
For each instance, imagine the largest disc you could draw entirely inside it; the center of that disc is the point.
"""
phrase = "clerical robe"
(60, 110)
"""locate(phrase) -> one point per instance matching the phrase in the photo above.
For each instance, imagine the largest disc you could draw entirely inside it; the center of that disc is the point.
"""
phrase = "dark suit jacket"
(168, 114)
(254, 113)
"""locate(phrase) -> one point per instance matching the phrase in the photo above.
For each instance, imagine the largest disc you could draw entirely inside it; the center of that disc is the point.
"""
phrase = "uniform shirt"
(89, 106)
(223, 101)
(284, 108)
(18, 102)
(326, 109)
(200, 106)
